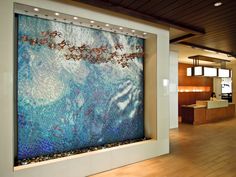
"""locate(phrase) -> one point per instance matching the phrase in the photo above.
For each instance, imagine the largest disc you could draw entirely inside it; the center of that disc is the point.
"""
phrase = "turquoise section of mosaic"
(77, 87)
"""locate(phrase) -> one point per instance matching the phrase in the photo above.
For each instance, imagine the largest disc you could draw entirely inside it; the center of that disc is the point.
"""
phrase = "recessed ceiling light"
(91, 21)
(107, 25)
(144, 33)
(120, 28)
(217, 4)
(75, 18)
(133, 31)
(36, 9)
(57, 14)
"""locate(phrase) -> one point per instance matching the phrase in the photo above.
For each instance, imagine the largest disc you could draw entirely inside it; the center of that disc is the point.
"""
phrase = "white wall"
(173, 89)
(78, 165)
(217, 87)
(232, 65)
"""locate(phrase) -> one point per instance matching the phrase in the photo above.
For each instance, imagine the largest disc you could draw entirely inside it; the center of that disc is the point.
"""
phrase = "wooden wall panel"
(186, 98)
(204, 115)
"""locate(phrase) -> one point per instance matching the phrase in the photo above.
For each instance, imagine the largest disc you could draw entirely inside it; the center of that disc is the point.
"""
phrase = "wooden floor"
(196, 151)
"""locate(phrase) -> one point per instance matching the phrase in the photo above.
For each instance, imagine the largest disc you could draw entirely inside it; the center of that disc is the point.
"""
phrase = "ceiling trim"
(208, 59)
(208, 48)
(155, 19)
(182, 38)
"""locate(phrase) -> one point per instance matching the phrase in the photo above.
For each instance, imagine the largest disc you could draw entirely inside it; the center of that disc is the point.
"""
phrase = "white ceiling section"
(186, 51)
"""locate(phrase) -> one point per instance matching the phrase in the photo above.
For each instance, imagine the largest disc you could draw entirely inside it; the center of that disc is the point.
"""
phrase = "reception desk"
(207, 111)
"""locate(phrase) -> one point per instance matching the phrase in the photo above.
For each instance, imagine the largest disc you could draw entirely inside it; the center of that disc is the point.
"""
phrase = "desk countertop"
(194, 106)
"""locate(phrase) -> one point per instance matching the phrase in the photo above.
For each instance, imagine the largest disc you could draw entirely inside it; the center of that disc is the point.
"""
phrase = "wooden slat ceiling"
(212, 27)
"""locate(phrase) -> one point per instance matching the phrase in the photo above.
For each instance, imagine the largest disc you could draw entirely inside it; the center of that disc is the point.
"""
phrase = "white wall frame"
(85, 164)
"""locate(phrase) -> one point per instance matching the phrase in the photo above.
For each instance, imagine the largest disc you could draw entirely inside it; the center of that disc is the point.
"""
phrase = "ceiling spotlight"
(144, 33)
(107, 25)
(36, 9)
(75, 18)
(133, 31)
(217, 4)
(120, 28)
(57, 14)
(91, 21)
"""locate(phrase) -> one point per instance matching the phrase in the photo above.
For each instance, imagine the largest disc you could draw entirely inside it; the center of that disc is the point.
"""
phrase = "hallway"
(196, 151)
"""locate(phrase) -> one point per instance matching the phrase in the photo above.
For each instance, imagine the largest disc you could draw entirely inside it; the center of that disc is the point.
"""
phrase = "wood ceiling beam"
(154, 19)
(232, 54)
(181, 38)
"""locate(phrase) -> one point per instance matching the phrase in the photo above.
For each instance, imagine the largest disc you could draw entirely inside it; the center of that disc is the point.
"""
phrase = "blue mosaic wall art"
(77, 87)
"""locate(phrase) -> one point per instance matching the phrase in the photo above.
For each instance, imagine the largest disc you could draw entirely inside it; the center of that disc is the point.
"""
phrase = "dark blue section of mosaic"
(67, 101)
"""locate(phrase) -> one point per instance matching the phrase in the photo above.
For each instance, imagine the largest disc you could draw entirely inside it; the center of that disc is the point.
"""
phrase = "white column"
(217, 87)
(173, 89)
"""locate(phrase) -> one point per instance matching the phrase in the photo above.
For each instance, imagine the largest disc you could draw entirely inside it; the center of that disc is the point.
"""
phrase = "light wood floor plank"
(196, 151)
